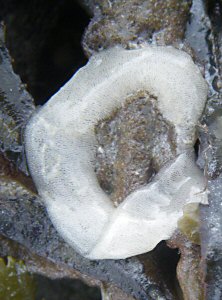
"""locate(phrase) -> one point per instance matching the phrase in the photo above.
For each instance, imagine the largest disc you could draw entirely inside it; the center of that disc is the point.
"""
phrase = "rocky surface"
(16, 108)
(211, 233)
(110, 292)
(39, 237)
(189, 271)
(135, 21)
(26, 231)
(31, 236)
(211, 216)
(210, 160)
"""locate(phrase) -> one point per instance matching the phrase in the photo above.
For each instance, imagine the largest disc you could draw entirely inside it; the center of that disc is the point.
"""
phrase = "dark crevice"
(166, 260)
(65, 288)
(197, 147)
(44, 39)
(214, 10)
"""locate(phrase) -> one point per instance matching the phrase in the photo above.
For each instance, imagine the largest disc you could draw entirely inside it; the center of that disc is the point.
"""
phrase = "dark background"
(44, 39)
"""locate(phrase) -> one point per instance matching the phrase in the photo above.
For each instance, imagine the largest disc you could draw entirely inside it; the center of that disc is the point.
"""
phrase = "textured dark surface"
(211, 216)
(212, 240)
(16, 107)
(65, 288)
(210, 158)
(39, 236)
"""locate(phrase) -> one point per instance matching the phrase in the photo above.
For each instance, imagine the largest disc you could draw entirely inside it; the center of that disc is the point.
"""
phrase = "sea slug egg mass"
(60, 146)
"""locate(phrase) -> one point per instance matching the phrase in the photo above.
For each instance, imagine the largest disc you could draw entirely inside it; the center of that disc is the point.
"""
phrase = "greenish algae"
(189, 222)
(15, 282)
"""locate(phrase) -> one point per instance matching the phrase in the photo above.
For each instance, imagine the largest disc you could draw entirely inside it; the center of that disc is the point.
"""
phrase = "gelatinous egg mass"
(61, 144)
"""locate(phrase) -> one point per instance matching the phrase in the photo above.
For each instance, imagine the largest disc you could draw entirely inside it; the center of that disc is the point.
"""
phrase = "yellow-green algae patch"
(189, 222)
(15, 282)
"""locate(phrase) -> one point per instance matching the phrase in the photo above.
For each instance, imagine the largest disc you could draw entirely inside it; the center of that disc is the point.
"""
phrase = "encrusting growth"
(61, 144)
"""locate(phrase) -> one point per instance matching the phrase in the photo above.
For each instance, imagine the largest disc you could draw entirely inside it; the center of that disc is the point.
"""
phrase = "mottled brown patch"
(8, 172)
(132, 21)
(189, 271)
(134, 143)
(111, 292)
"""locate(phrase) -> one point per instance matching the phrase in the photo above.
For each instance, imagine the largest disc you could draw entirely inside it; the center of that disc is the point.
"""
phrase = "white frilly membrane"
(60, 146)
